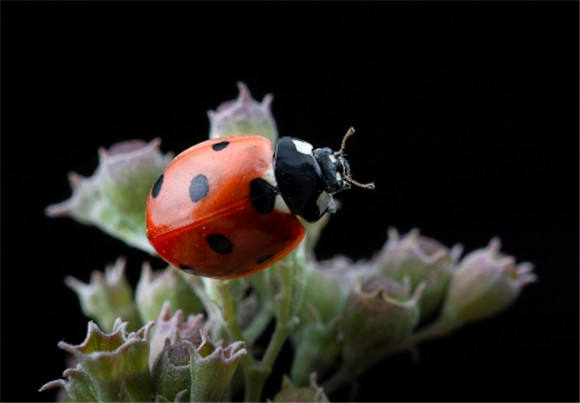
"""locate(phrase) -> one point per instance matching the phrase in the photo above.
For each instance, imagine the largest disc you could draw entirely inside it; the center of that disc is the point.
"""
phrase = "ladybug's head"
(308, 178)
(336, 169)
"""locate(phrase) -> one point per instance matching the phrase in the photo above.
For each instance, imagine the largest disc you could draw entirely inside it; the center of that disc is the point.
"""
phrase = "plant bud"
(243, 116)
(485, 283)
(112, 367)
(114, 198)
(154, 289)
(379, 316)
(422, 260)
(107, 297)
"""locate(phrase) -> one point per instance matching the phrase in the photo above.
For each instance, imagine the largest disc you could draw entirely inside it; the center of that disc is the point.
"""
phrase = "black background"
(467, 121)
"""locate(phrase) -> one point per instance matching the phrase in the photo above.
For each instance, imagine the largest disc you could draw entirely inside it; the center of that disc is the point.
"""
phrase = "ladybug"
(228, 207)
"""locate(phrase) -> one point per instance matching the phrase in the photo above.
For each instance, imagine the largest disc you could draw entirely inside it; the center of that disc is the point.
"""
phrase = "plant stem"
(283, 303)
(229, 316)
(284, 323)
(255, 379)
(258, 324)
(254, 373)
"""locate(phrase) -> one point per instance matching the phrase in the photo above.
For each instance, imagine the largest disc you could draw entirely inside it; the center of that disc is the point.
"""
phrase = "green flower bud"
(290, 393)
(171, 373)
(325, 293)
(112, 367)
(379, 316)
(485, 283)
(281, 287)
(185, 365)
(422, 260)
(173, 328)
(154, 289)
(243, 116)
(338, 276)
(107, 297)
(317, 347)
(114, 198)
(212, 369)
(317, 339)
(214, 290)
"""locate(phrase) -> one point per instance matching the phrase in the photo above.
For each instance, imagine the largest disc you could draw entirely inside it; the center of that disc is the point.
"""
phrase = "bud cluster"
(341, 317)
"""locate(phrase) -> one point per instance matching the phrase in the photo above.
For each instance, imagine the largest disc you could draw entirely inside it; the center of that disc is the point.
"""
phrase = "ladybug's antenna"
(349, 133)
(369, 186)
(341, 153)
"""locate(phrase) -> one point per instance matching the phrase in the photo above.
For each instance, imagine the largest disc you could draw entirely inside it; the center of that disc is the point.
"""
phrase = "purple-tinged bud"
(379, 316)
(107, 297)
(485, 283)
(114, 198)
(174, 328)
(212, 368)
(112, 366)
(185, 365)
(243, 115)
(422, 260)
(154, 289)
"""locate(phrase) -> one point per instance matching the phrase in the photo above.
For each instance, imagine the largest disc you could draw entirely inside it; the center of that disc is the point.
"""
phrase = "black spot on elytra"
(198, 188)
(263, 195)
(157, 187)
(220, 244)
(189, 270)
(264, 259)
(220, 146)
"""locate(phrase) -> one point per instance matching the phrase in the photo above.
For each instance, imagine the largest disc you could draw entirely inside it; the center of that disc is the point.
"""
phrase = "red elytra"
(213, 211)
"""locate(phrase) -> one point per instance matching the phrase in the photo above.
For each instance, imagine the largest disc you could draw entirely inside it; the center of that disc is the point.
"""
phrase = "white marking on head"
(303, 146)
